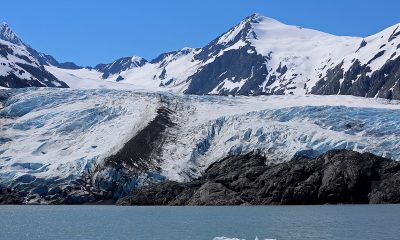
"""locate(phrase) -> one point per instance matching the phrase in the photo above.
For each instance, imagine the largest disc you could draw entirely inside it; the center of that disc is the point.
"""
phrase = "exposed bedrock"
(337, 177)
(8, 196)
(360, 81)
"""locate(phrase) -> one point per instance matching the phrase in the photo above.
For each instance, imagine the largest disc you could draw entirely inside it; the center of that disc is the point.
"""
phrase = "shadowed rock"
(337, 177)
(8, 196)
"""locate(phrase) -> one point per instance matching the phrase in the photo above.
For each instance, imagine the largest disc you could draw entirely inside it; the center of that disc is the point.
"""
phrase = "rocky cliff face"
(337, 177)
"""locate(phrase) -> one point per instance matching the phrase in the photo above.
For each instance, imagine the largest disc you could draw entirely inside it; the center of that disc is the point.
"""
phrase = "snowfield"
(56, 134)
(90, 79)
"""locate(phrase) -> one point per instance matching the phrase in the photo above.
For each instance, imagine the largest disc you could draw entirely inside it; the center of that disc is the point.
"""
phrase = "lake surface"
(200, 223)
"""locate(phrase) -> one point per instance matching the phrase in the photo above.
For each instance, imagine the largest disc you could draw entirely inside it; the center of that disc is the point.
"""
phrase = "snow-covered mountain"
(264, 56)
(120, 65)
(373, 70)
(258, 56)
(53, 138)
(169, 71)
(21, 65)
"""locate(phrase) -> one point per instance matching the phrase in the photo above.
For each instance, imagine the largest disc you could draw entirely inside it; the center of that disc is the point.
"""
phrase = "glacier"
(51, 137)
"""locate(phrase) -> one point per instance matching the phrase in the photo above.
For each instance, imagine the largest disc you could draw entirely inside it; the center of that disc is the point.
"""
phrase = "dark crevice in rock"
(362, 44)
(378, 55)
(394, 34)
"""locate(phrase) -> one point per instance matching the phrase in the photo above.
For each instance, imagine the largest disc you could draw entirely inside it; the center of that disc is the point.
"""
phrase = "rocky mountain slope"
(120, 65)
(337, 177)
(22, 66)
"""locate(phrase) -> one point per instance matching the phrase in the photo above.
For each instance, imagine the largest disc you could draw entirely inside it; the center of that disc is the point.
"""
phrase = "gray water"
(205, 223)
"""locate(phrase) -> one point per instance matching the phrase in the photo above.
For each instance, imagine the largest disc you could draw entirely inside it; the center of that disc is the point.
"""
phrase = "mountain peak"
(245, 29)
(259, 18)
(254, 17)
(7, 34)
(137, 59)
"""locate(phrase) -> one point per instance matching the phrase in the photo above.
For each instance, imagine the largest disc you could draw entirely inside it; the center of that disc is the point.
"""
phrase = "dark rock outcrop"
(383, 83)
(337, 177)
(120, 65)
(18, 59)
(234, 65)
(40, 77)
(8, 196)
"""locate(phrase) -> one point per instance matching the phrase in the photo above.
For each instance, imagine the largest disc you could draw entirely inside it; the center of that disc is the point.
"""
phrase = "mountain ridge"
(8, 35)
(258, 56)
(261, 55)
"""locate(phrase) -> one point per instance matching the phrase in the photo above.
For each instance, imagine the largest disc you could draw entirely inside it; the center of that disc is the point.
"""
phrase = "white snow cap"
(136, 58)
(257, 17)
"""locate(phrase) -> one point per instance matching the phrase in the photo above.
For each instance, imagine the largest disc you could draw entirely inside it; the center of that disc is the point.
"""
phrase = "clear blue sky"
(95, 31)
